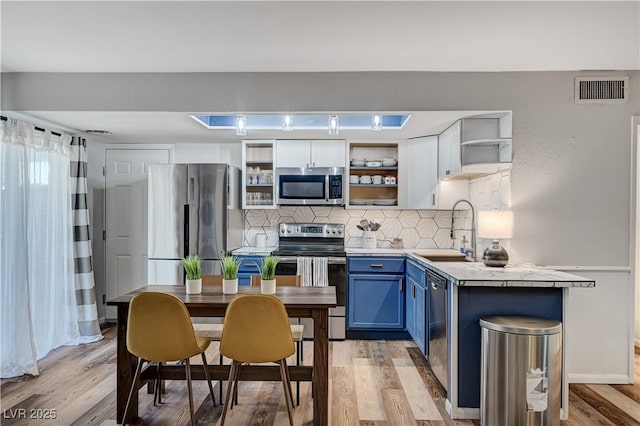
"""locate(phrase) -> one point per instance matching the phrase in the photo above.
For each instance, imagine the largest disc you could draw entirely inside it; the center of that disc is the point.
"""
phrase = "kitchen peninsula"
(471, 291)
(392, 290)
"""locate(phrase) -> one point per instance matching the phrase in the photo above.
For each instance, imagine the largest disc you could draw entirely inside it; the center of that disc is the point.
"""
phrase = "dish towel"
(304, 270)
(320, 271)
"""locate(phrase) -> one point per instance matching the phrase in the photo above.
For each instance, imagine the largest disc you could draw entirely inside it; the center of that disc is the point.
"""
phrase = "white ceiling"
(270, 36)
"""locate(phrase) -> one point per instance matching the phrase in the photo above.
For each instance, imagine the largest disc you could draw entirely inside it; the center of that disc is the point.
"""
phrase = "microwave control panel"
(335, 187)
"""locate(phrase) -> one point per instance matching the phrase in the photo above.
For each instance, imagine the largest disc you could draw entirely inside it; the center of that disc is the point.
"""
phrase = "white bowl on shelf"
(390, 202)
(358, 162)
(373, 163)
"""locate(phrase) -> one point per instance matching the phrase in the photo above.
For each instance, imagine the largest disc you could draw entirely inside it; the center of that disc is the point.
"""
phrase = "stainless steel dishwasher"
(438, 326)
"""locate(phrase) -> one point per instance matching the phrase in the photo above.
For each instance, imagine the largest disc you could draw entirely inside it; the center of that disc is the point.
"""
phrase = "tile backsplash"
(417, 228)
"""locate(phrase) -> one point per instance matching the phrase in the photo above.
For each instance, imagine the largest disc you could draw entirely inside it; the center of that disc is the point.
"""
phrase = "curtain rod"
(40, 129)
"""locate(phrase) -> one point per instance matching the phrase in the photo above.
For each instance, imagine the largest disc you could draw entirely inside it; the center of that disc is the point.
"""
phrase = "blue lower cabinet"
(477, 302)
(416, 299)
(244, 279)
(410, 308)
(248, 267)
(417, 305)
(421, 319)
(376, 301)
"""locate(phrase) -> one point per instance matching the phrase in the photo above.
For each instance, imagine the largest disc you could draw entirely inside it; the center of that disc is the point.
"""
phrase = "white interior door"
(126, 219)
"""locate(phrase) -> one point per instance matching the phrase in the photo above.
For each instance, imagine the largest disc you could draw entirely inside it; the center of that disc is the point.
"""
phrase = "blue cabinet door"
(410, 307)
(420, 336)
(248, 267)
(376, 301)
(417, 294)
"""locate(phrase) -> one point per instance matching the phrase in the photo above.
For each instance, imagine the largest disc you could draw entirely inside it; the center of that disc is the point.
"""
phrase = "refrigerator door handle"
(186, 231)
(192, 189)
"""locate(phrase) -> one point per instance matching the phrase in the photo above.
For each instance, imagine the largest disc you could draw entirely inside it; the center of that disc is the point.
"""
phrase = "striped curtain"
(83, 262)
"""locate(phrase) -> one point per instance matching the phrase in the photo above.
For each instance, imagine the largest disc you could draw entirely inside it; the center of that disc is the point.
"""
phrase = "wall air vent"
(601, 90)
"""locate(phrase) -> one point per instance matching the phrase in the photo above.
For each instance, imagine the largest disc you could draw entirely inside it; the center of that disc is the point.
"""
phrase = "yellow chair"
(256, 330)
(283, 280)
(297, 330)
(159, 330)
(213, 332)
(212, 280)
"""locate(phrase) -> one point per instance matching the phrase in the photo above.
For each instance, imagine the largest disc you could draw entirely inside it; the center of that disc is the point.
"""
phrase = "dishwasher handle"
(438, 282)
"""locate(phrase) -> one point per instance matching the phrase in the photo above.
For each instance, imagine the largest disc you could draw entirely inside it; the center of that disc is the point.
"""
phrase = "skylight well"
(333, 123)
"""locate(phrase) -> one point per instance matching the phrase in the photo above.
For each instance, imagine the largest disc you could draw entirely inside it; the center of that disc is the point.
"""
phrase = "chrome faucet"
(472, 251)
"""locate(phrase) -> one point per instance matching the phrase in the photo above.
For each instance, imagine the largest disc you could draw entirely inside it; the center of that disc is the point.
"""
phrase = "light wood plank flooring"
(371, 383)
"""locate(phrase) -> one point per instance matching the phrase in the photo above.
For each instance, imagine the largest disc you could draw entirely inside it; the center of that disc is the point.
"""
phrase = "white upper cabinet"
(474, 147)
(328, 153)
(315, 153)
(424, 190)
(422, 172)
(449, 151)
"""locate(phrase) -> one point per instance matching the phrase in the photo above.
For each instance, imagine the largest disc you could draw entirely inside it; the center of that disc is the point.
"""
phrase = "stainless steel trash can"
(520, 378)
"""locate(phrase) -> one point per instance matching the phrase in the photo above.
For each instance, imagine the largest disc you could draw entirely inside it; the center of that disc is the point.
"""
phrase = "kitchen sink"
(442, 258)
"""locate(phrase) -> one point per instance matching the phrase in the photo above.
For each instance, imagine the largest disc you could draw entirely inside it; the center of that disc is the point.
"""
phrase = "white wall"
(215, 152)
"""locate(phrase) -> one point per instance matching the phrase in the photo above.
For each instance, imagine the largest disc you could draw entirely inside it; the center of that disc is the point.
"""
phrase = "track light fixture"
(241, 125)
(287, 124)
(376, 123)
(334, 125)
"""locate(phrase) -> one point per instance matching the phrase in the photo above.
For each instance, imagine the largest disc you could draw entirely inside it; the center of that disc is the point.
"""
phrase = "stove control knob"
(288, 230)
(339, 231)
(333, 231)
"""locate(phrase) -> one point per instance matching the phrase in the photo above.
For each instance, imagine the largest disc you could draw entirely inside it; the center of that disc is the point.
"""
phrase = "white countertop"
(464, 274)
(253, 251)
(476, 274)
(387, 251)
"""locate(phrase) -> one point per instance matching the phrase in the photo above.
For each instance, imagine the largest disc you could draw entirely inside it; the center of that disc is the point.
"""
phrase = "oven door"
(338, 279)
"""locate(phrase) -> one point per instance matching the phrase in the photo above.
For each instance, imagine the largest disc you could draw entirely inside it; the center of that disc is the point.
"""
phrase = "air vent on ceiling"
(601, 90)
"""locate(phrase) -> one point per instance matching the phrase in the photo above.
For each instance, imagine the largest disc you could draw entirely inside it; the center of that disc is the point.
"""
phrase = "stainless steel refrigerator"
(193, 210)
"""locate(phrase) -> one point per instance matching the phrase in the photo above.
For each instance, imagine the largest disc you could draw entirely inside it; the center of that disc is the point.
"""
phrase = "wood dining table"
(302, 302)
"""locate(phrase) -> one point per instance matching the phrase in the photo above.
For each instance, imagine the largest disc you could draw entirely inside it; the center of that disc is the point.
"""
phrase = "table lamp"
(495, 224)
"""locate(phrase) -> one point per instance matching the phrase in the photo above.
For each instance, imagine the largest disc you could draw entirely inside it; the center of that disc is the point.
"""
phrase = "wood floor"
(371, 383)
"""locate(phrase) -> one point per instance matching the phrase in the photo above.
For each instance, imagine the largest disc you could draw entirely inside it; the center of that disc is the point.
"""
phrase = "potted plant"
(230, 266)
(267, 270)
(193, 269)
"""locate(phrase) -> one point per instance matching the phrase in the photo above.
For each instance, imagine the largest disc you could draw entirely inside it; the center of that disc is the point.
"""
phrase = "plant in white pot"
(193, 269)
(268, 275)
(230, 267)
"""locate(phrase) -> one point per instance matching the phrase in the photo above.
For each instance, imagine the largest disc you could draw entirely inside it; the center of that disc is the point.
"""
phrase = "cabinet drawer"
(377, 265)
(416, 272)
(249, 264)
(244, 279)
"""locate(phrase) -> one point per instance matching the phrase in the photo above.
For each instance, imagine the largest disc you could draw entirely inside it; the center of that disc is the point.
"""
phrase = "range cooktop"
(311, 239)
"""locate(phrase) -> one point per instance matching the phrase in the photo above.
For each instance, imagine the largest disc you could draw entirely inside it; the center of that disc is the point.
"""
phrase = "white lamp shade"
(495, 224)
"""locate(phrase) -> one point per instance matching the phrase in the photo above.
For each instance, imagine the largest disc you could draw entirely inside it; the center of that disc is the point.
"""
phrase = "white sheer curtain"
(37, 305)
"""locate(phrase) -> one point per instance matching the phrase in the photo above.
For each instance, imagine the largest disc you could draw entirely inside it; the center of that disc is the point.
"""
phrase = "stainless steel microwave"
(310, 185)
